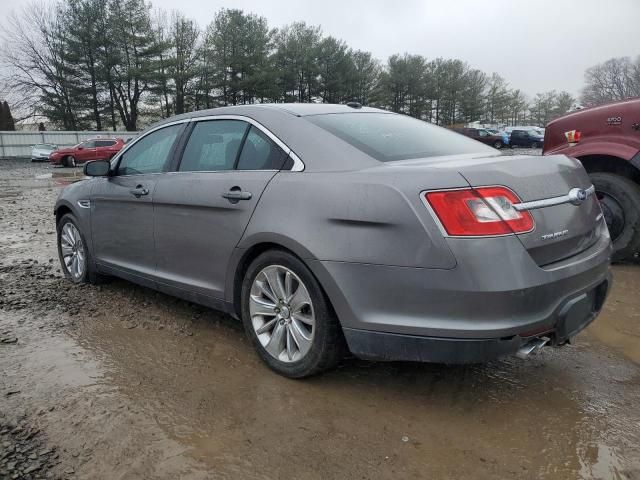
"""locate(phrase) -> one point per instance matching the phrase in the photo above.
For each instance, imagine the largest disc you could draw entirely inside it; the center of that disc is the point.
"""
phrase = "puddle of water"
(210, 393)
(619, 323)
(102, 434)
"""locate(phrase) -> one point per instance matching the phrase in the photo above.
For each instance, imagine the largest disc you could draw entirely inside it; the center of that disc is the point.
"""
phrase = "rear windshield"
(388, 137)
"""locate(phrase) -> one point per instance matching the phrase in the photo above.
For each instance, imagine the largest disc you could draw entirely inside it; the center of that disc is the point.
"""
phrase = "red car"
(482, 135)
(94, 149)
(606, 140)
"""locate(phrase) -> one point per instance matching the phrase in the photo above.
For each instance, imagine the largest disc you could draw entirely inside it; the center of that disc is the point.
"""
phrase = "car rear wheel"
(620, 201)
(498, 144)
(73, 251)
(288, 318)
(69, 161)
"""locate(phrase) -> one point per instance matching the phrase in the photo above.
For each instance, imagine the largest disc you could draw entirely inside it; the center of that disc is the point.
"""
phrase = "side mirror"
(97, 168)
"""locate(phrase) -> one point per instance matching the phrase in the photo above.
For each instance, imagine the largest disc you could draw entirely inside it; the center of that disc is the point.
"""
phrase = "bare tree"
(615, 79)
(35, 55)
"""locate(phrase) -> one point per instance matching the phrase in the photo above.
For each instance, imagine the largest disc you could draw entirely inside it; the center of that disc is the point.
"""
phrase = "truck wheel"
(620, 201)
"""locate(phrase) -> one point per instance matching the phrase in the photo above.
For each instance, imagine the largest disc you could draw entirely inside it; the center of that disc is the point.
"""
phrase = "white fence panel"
(18, 144)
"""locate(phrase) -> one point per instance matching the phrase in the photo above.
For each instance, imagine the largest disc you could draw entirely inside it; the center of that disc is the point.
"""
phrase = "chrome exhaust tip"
(531, 347)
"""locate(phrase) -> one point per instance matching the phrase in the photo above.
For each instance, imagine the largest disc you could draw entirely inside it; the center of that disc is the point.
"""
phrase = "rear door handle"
(235, 194)
(139, 191)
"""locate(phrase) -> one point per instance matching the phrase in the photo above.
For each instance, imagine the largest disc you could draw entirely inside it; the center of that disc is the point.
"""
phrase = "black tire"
(90, 274)
(69, 161)
(498, 144)
(620, 201)
(535, 145)
(328, 344)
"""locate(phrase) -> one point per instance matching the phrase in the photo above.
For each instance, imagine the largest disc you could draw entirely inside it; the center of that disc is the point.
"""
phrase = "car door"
(122, 205)
(202, 210)
(516, 138)
(85, 151)
(103, 149)
(483, 136)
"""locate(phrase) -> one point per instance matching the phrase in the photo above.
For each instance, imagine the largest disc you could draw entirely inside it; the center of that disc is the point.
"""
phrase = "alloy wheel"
(73, 252)
(282, 313)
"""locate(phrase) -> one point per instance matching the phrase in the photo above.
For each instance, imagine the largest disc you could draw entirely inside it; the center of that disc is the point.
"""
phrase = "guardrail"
(18, 144)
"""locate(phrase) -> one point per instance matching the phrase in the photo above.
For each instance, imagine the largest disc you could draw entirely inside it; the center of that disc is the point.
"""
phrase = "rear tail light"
(481, 211)
(573, 136)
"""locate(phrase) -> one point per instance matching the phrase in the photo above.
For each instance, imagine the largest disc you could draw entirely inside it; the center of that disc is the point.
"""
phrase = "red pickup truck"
(606, 139)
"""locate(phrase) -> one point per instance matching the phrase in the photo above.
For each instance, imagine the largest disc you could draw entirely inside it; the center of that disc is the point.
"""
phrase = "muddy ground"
(120, 382)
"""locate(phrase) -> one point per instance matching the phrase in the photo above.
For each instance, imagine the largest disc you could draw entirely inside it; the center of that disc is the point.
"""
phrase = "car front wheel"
(73, 251)
(288, 318)
(69, 161)
(498, 144)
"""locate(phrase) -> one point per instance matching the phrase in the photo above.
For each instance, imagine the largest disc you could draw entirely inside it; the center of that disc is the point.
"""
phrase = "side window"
(88, 144)
(105, 143)
(213, 145)
(260, 153)
(482, 133)
(151, 153)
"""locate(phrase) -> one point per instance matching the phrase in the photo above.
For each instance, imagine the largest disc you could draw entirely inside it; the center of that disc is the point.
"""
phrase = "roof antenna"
(354, 104)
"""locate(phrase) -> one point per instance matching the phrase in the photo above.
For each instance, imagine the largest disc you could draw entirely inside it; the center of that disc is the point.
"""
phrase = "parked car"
(484, 136)
(41, 152)
(526, 138)
(502, 133)
(606, 139)
(538, 130)
(323, 226)
(95, 149)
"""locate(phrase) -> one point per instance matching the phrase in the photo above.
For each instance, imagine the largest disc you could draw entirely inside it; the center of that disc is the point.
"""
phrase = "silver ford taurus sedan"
(334, 227)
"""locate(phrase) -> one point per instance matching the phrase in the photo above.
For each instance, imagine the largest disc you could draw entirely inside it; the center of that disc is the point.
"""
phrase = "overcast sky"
(537, 45)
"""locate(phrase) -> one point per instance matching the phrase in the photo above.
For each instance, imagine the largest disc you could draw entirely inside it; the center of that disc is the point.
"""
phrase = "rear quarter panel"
(352, 217)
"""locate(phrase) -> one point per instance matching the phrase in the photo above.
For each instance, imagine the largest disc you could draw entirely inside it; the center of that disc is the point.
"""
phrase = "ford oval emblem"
(577, 196)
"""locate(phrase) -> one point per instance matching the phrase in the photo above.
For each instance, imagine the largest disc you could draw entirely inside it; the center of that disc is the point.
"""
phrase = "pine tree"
(8, 123)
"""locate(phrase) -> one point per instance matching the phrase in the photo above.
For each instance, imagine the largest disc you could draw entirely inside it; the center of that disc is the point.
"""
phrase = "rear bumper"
(572, 317)
(495, 299)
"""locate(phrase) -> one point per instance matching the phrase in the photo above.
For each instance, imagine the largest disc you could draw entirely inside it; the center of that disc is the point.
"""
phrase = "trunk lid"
(561, 230)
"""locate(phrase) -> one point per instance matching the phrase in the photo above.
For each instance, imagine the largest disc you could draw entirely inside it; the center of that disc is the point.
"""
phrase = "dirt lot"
(118, 381)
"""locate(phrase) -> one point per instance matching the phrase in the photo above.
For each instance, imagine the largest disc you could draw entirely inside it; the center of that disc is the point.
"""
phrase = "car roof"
(320, 150)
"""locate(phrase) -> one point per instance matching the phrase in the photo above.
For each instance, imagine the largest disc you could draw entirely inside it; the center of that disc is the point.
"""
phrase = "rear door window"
(213, 145)
(259, 152)
(105, 143)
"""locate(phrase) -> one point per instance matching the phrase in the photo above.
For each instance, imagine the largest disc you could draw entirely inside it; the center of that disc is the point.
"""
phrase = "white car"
(41, 152)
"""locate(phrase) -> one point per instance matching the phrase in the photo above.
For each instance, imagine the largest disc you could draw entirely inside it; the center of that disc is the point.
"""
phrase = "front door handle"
(235, 194)
(139, 191)
(636, 126)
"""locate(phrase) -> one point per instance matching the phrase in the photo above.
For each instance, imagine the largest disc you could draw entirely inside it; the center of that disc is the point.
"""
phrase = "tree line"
(108, 64)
